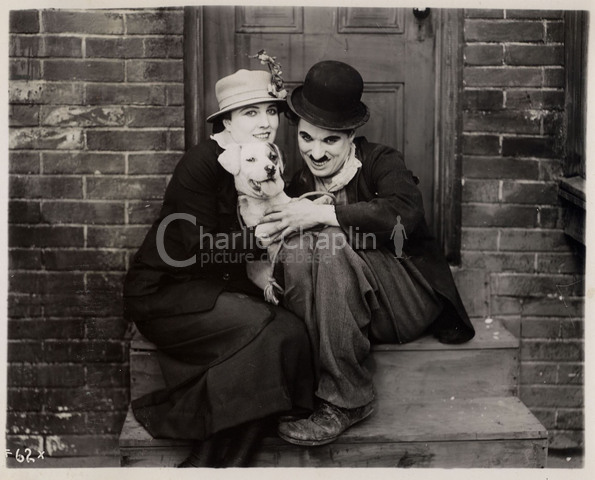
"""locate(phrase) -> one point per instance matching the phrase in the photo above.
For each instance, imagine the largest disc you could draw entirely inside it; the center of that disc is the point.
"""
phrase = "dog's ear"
(277, 151)
(230, 159)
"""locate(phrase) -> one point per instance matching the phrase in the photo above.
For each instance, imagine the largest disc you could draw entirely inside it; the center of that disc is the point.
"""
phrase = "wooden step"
(458, 432)
(486, 366)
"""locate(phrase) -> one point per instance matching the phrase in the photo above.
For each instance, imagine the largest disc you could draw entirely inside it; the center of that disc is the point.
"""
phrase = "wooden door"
(393, 50)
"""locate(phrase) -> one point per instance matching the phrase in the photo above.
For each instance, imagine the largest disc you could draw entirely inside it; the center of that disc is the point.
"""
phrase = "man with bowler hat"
(339, 269)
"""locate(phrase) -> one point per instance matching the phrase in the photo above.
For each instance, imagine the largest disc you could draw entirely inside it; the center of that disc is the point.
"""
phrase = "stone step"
(455, 433)
(486, 366)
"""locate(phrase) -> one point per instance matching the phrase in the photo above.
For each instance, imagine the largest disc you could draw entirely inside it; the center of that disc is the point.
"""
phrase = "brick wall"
(96, 125)
(512, 242)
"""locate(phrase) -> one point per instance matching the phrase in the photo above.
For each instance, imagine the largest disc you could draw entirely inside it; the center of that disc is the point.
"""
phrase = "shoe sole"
(316, 443)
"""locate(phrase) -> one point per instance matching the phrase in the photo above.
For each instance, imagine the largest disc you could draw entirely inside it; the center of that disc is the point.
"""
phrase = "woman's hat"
(331, 97)
(245, 87)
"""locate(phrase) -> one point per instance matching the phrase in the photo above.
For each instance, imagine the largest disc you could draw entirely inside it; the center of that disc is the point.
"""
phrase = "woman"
(229, 360)
(344, 278)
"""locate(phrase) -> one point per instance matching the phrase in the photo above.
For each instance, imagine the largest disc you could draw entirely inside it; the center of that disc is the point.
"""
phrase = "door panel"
(394, 52)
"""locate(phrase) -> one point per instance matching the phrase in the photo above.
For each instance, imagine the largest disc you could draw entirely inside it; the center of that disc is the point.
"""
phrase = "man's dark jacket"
(382, 190)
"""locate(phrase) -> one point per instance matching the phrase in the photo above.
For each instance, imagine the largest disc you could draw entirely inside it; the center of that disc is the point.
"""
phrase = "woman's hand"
(298, 215)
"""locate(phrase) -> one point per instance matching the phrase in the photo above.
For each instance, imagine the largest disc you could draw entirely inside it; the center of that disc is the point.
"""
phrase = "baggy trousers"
(345, 304)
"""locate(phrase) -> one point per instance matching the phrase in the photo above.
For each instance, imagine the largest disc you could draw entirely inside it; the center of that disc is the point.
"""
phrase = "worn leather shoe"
(324, 425)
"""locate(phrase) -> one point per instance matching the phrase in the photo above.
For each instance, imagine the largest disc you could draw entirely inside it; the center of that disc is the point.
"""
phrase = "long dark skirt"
(242, 360)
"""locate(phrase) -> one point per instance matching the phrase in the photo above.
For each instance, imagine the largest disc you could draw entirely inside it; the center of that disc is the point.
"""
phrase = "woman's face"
(253, 123)
(324, 151)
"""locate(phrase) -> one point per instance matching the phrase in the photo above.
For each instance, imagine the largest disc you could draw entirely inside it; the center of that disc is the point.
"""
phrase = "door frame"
(447, 118)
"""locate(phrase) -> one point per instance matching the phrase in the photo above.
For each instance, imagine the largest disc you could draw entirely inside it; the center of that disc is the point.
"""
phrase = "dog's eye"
(251, 159)
(273, 158)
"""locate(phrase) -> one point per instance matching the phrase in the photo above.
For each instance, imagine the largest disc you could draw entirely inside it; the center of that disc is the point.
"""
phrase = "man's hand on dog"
(298, 215)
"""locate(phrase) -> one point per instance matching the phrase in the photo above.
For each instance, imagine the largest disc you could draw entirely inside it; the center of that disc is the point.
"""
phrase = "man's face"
(324, 151)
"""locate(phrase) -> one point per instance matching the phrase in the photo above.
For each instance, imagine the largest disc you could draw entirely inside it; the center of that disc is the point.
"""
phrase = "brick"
(46, 375)
(534, 14)
(46, 93)
(23, 162)
(155, 116)
(510, 121)
(572, 328)
(82, 116)
(60, 46)
(83, 162)
(85, 399)
(176, 140)
(570, 419)
(506, 305)
(83, 260)
(151, 163)
(484, 54)
(473, 288)
(24, 212)
(40, 186)
(528, 147)
(483, 13)
(554, 32)
(498, 216)
(24, 69)
(24, 306)
(537, 241)
(105, 282)
(503, 31)
(174, 94)
(535, 99)
(107, 375)
(89, 213)
(31, 352)
(84, 70)
(45, 236)
(129, 140)
(24, 329)
(88, 21)
(499, 168)
(479, 239)
(24, 259)
(535, 373)
(481, 191)
(534, 55)
(159, 22)
(554, 77)
(540, 328)
(105, 422)
(550, 170)
(27, 399)
(553, 124)
(95, 351)
(571, 373)
(121, 94)
(533, 193)
(143, 212)
(154, 71)
(24, 46)
(535, 285)
(565, 439)
(560, 263)
(106, 328)
(28, 445)
(125, 187)
(481, 144)
(24, 21)
(550, 217)
(474, 100)
(551, 396)
(90, 304)
(53, 423)
(552, 350)
(499, 262)
(116, 237)
(114, 47)
(548, 306)
(23, 116)
(502, 77)
(167, 46)
(82, 445)
(46, 282)
(46, 139)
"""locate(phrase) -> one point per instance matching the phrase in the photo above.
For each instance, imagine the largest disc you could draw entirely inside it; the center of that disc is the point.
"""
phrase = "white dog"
(257, 169)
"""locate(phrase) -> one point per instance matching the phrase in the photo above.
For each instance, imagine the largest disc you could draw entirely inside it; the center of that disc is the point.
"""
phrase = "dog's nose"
(270, 169)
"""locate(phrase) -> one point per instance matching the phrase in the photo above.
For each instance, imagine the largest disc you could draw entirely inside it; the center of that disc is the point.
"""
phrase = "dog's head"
(256, 167)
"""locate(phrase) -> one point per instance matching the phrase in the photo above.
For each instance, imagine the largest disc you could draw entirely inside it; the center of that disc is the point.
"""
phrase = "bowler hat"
(244, 87)
(331, 97)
